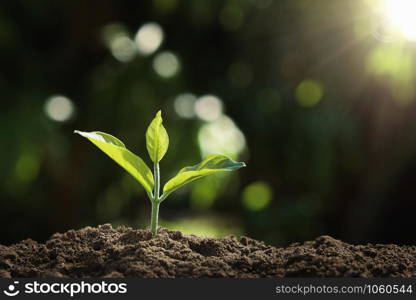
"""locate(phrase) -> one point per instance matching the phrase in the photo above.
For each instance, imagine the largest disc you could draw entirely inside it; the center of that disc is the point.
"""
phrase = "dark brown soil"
(126, 252)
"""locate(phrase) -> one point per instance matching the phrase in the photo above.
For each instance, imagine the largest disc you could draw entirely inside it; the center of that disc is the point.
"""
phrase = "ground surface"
(126, 252)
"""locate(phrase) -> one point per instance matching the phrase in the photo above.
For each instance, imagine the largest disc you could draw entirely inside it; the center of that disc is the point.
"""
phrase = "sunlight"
(401, 14)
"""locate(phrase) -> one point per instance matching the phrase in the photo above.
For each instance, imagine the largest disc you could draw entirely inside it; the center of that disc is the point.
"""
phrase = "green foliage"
(157, 142)
(115, 149)
(157, 139)
(212, 164)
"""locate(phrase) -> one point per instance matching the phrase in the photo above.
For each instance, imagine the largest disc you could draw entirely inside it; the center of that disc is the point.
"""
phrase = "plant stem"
(154, 217)
(155, 199)
(156, 170)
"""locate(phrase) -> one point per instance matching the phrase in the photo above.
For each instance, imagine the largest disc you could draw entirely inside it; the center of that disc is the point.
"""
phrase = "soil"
(105, 251)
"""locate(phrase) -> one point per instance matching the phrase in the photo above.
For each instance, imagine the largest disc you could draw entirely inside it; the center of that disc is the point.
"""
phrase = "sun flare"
(402, 15)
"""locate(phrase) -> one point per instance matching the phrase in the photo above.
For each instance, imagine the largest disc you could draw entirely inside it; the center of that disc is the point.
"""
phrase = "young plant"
(157, 143)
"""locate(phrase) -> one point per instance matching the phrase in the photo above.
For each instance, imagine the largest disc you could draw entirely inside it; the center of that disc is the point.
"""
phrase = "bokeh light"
(123, 48)
(184, 105)
(148, 38)
(27, 166)
(59, 108)
(116, 38)
(166, 64)
(257, 196)
(309, 93)
(221, 136)
(208, 108)
(397, 66)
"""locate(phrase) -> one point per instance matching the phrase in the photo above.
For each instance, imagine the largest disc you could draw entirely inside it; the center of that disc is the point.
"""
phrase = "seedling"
(157, 143)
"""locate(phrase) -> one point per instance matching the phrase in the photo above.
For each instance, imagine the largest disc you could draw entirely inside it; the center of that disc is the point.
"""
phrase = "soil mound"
(125, 252)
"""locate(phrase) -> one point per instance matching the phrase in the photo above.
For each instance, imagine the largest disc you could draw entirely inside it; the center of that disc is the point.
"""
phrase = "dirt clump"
(105, 251)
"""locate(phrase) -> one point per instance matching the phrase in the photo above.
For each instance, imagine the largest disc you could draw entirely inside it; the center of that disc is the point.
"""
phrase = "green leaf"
(157, 139)
(115, 149)
(210, 165)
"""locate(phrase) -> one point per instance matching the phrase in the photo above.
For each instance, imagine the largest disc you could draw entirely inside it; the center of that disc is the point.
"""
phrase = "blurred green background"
(317, 97)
